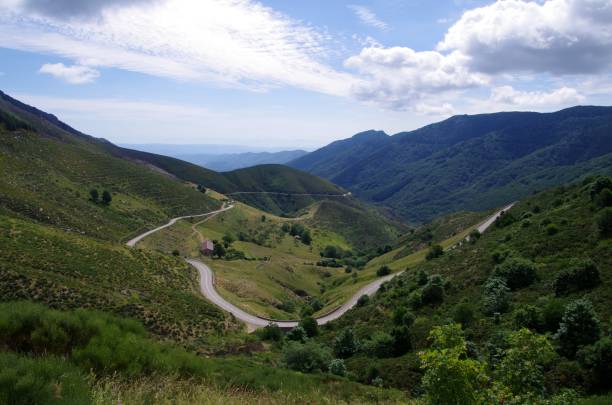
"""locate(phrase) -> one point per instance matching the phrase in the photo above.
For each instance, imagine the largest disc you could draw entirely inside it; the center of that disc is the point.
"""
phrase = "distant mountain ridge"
(232, 161)
(468, 162)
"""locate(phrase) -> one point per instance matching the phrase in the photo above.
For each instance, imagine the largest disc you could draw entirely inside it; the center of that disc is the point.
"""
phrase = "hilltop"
(468, 162)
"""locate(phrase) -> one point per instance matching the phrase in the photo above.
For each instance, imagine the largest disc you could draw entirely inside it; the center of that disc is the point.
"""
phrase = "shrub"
(297, 334)
(604, 222)
(402, 341)
(450, 376)
(530, 317)
(381, 345)
(434, 252)
(517, 272)
(474, 236)
(106, 197)
(522, 368)
(272, 332)
(433, 292)
(27, 381)
(552, 313)
(307, 358)
(504, 220)
(316, 304)
(463, 314)
(496, 297)
(401, 316)
(605, 198)
(337, 367)
(363, 300)
(552, 229)
(598, 358)
(500, 255)
(346, 344)
(94, 195)
(579, 327)
(421, 277)
(415, 299)
(383, 271)
(310, 326)
(582, 274)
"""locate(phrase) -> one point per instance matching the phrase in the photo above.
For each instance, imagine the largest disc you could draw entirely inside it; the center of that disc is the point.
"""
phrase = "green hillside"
(469, 163)
(526, 271)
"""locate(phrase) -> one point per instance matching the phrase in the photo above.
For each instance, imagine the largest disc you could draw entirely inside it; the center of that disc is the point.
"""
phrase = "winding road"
(207, 280)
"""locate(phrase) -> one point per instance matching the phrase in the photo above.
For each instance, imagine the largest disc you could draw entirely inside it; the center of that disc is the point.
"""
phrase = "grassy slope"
(468, 267)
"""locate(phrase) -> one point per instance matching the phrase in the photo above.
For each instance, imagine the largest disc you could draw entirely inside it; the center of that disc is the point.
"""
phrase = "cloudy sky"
(280, 73)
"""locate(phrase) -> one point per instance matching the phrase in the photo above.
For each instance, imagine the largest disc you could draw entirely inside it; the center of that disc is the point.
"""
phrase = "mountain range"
(467, 162)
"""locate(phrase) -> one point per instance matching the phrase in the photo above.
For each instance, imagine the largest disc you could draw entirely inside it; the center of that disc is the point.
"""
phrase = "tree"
(310, 325)
(337, 367)
(383, 271)
(272, 332)
(93, 193)
(421, 277)
(363, 300)
(307, 358)
(604, 222)
(306, 238)
(579, 327)
(496, 296)
(530, 317)
(450, 376)
(218, 249)
(598, 357)
(522, 368)
(381, 344)
(582, 274)
(346, 344)
(463, 314)
(434, 252)
(474, 236)
(517, 272)
(297, 334)
(402, 341)
(433, 292)
(106, 197)
(228, 240)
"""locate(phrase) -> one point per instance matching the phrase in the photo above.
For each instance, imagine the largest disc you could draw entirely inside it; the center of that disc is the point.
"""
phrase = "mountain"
(468, 162)
(92, 155)
(231, 161)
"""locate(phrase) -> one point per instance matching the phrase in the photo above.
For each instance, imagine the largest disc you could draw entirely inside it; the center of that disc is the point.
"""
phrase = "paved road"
(133, 242)
(207, 281)
(298, 194)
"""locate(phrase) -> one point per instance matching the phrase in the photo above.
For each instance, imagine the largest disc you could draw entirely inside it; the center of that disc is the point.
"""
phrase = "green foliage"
(307, 358)
(552, 229)
(297, 334)
(580, 275)
(433, 292)
(530, 317)
(14, 123)
(272, 332)
(25, 381)
(517, 272)
(579, 327)
(94, 195)
(380, 344)
(505, 219)
(228, 239)
(337, 367)
(604, 199)
(363, 300)
(421, 277)
(463, 314)
(106, 197)
(434, 252)
(383, 271)
(346, 344)
(218, 249)
(598, 357)
(402, 316)
(496, 296)
(450, 377)
(522, 368)
(604, 221)
(402, 340)
(310, 326)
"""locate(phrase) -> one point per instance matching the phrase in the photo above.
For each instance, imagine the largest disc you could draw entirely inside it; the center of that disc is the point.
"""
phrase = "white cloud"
(368, 17)
(398, 78)
(70, 74)
(560, 97)
(237, 43)
(554, 36)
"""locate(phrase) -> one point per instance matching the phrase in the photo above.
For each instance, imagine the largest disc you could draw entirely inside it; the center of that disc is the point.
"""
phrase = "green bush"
(26, 381)
(346, 344)
(604, 221)
(598, 358)
(402, 340)
(517, 272)
(581, 275)
(496, 297)
(383, 271)
(310, 326)
(463, 314)
(504, 220)
(381, 345)
(530, 317)
(552, 229)
(297, 334)
(434, 252)
(363, 300)
(579, 327)
(307, 358)
(337, 367)
(271, 332)
(433, 292)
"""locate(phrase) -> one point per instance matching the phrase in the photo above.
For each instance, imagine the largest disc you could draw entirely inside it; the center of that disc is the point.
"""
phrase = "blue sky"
(289, 74)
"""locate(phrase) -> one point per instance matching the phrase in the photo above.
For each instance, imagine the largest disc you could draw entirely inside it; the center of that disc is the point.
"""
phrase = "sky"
(298, 74)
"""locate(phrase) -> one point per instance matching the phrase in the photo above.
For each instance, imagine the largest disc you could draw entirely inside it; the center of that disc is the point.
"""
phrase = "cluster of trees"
(95, 196)
(298, 230)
